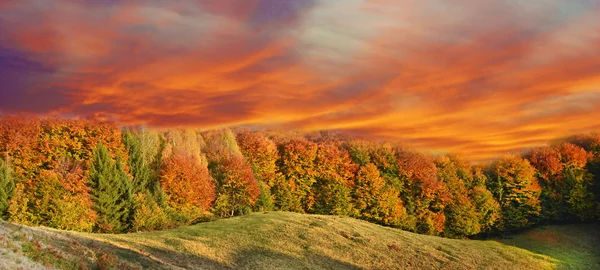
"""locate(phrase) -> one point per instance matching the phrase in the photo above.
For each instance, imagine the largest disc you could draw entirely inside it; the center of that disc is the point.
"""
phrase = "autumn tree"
(297, 165)
(19, 140)
(566, 184)
(185, 178)
(590, 143)
(424, 195)
(461, 214)
(374, 199)
(7, 186)
(37, 147)
(77, 140)
(488, 209)
(359, 151)
(220, 144)
(334, 181)
(261, 153)
(549, 167)
(384, 156)
(577, 181)
(188, 186)
(18, 206)
(237, 188)
(63, 202)
(110, 190)
(517, 190)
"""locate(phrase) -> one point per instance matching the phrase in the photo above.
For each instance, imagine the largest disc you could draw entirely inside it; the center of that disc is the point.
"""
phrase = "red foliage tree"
(573, 155)
(238, 190)
(423, 193)
(549, 166)
(547, 161)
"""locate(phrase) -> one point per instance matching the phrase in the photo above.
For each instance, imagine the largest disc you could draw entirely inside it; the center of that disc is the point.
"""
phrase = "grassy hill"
(280, 240)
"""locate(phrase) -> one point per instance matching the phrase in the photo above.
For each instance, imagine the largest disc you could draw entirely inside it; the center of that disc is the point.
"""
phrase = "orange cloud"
(478, 78)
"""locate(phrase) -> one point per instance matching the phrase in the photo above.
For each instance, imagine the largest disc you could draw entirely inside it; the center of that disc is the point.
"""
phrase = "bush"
(148, 215)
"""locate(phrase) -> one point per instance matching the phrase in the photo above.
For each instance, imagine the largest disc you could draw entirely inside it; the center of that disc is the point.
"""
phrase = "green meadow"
(284, 240)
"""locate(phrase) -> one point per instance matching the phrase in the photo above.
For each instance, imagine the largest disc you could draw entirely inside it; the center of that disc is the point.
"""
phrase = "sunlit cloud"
(480, 78)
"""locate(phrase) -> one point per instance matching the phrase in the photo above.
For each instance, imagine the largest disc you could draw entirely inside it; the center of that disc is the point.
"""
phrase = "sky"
(480, 78)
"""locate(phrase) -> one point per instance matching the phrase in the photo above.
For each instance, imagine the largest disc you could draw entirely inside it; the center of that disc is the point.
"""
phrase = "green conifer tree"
(265, 199)
(111, 191)
(7, 186)
(139, 170)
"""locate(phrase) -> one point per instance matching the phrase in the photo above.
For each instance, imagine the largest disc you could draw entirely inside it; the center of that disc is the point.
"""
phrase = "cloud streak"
(481, 78)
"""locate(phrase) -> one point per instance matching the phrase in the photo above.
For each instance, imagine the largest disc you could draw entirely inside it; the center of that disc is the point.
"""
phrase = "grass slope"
(281, 240)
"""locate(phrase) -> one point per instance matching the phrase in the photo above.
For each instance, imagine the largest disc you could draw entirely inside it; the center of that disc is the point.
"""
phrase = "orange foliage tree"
(424, 195)
(38, 150)
(187, 184)
(262, 155)
(297, 164)
(334, 181)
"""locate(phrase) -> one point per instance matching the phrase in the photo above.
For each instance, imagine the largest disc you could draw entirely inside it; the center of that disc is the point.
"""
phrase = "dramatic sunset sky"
(477, 77)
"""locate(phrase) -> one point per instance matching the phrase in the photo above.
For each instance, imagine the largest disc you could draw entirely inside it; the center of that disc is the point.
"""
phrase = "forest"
(94, 176)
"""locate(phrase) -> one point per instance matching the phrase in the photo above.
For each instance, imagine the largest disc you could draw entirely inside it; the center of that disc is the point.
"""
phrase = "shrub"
(148, 215)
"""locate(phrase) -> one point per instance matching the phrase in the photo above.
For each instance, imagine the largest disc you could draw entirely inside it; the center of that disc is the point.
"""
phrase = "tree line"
(93, 176)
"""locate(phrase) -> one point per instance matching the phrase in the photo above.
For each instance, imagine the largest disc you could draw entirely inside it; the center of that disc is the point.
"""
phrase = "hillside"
(281, 240)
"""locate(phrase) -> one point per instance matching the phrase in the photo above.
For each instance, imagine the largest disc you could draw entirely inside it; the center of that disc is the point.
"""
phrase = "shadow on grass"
(73, 251)
(253, 258)
(265, 259)
(573, 246)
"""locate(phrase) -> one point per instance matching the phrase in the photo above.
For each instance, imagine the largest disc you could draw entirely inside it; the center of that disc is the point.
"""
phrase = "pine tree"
(142, 163)
(7, 186)
(139, 170)
(111, 191)
(265, 200)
